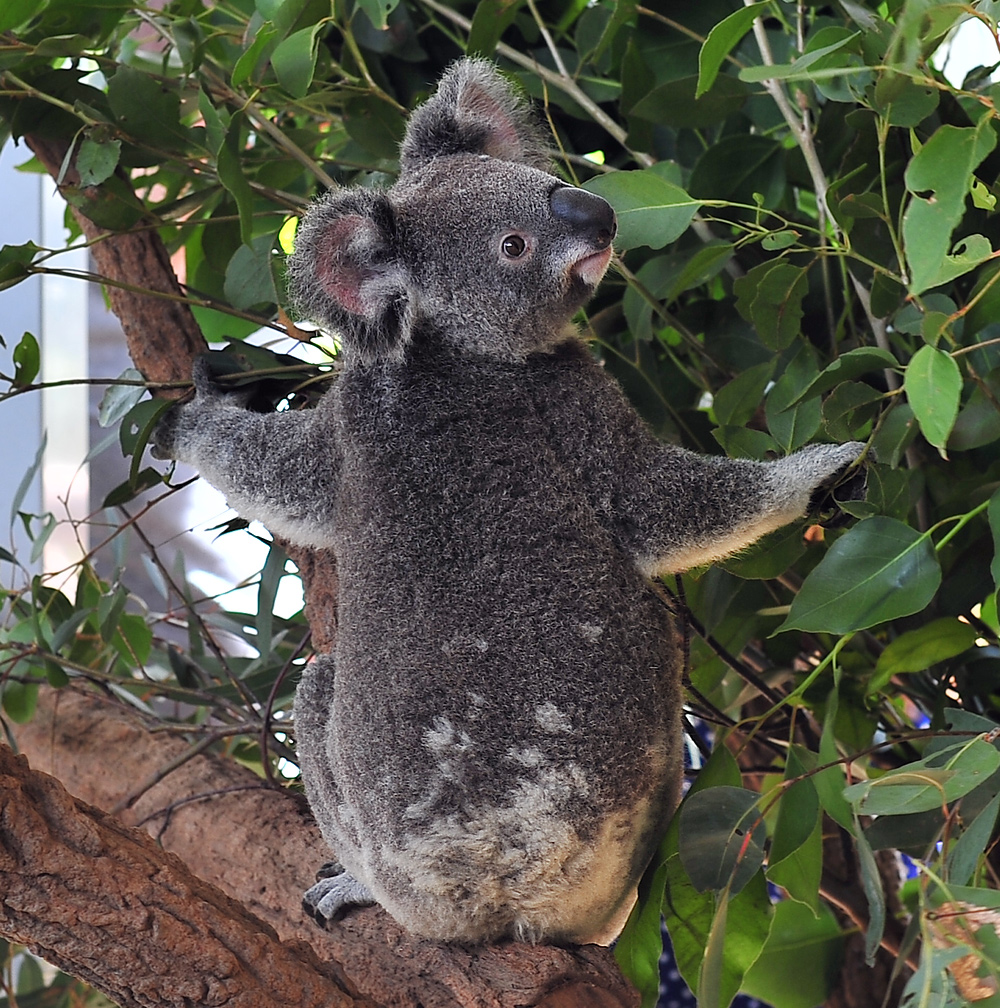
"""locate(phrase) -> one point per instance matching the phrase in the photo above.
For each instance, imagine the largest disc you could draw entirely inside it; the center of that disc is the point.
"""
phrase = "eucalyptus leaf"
(722, 838)
(933, 385)
(920, 787)
(938, 179)
(918, 649)
(721, 40)
(651, 211)
(879, 570)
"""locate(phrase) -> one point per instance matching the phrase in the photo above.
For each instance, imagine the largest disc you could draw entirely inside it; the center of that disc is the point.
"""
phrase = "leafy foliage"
(807, 251)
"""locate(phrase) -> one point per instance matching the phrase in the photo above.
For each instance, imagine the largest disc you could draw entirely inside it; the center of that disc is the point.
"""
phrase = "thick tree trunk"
(78, 887)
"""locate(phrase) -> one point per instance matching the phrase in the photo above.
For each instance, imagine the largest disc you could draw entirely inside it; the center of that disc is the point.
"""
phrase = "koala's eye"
(513, 246)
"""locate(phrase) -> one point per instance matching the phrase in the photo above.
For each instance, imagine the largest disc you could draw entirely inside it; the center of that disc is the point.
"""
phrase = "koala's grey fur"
(493, 747)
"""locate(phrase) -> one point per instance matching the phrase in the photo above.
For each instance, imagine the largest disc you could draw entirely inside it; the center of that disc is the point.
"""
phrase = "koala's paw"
(163, 439)
(334, 895)
(803, 481)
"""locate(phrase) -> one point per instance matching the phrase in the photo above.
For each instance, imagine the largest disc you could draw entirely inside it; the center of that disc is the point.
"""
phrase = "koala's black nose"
(587, 214)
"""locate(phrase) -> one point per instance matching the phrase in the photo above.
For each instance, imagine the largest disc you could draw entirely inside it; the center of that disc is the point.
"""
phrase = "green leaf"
(938, 178)
(375, 125)
(97, 160)
(19, 700)
(378, 11)
(246, 66)
(871, 882)
(147, 109)
(737, 402)
(128, 490)
(798, 810)
(294, 60)
(793, 427)
(119, 399)
(927, 784)
(15, 13)
(27, 479)
(919, 649)
(722, 837)
(249, 280)
(795, 861)
(849, 410)
(879, 570)
(971, 845)
(993, 512)
(800, 69)
(800, 872)
(651, 211)
(231, 175)
(770, 298)
(902, 101)
(674, 103)
(738, 933)
(640, 944)
(27, 360)
(933, 386)
(849, 365)
(720, 42)
(491, 20)
(14, 262)
(800, 964)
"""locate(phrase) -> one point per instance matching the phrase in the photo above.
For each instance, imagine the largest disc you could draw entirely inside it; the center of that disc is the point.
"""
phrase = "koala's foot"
(335, 892)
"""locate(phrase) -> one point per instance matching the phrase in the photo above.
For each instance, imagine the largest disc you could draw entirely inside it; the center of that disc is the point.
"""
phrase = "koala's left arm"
(277, 468)
(672, 509)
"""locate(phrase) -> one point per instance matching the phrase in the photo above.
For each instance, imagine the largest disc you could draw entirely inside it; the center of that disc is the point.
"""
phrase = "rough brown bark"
(163, 336)
(264, 854)
(104, 903)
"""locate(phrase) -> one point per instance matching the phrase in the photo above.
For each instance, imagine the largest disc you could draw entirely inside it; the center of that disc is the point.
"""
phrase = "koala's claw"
(333, 896)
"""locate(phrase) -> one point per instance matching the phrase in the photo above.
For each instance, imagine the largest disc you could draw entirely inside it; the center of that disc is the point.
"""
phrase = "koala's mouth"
(591, 268)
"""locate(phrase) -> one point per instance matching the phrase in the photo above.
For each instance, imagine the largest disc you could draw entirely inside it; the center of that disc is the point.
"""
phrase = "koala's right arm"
(277, 468)
(672, 509)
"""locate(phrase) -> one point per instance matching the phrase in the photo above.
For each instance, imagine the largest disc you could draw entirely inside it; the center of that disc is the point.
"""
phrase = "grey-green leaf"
(722, 838)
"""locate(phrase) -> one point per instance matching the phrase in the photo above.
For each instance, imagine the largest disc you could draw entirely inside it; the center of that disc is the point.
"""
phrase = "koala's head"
(477, 243)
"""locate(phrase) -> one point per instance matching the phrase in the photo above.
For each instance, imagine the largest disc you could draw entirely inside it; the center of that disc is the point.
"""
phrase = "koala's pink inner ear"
(338, 268)
(503, 139)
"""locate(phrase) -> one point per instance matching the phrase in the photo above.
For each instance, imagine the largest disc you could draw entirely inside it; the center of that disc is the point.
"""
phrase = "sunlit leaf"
(918, 649)
(920, 787)
(938, 179)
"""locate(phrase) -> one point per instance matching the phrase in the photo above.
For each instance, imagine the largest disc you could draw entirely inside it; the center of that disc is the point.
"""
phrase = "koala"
(493, 747)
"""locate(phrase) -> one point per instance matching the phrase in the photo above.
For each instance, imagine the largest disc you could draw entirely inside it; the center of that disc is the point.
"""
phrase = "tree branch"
(260, 847)
(104, 903)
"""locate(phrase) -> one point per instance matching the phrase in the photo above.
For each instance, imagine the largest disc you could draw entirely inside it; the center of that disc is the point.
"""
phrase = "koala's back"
(508, 719)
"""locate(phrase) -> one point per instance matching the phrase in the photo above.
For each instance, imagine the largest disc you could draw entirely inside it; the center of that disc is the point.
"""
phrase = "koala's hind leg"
(335, 892)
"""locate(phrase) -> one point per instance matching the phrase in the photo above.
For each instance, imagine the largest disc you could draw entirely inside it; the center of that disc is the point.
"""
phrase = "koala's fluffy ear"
(474, 111)
(347, 275)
